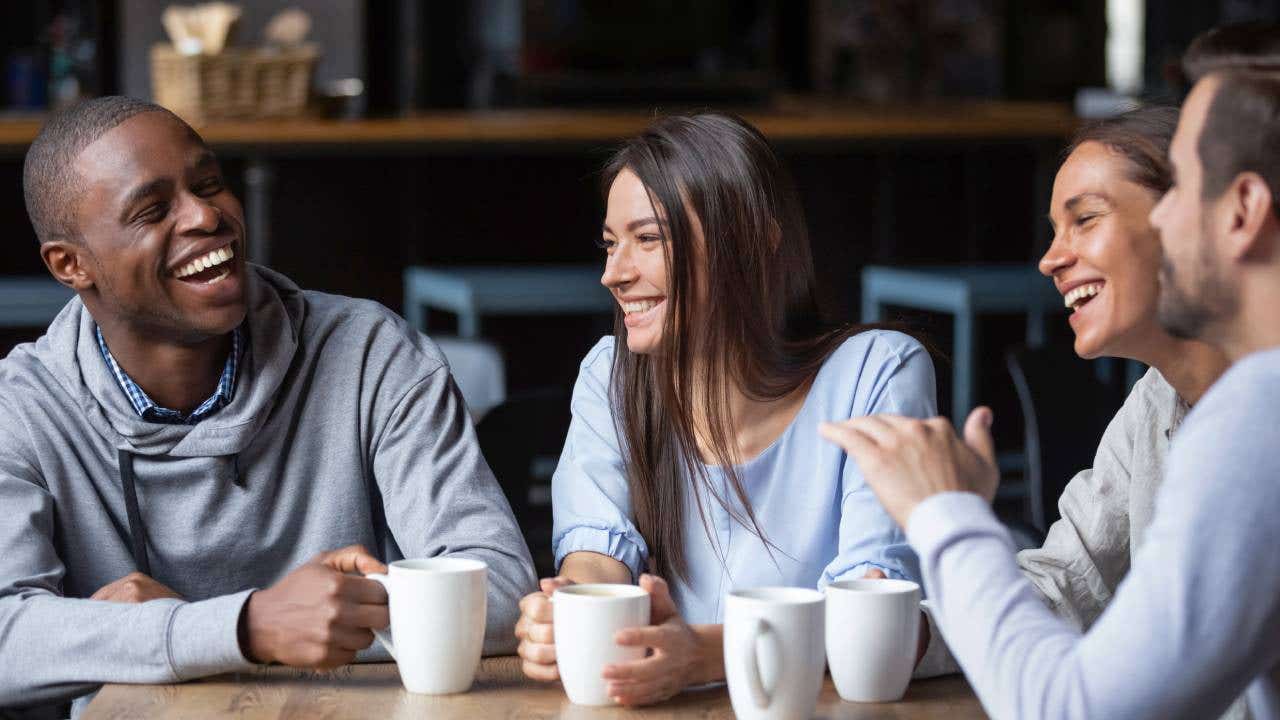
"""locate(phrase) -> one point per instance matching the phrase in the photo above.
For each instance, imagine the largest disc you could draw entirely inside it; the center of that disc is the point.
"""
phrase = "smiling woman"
(693, 450)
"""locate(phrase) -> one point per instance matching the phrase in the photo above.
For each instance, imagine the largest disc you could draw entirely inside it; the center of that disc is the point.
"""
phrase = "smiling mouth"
(209, 268)
(639, 306)
(1080, 296)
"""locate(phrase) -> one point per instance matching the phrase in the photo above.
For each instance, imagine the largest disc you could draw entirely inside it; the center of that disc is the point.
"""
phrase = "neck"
(756, 424)
(178, 376)
(1255, 325)
(1191, 367)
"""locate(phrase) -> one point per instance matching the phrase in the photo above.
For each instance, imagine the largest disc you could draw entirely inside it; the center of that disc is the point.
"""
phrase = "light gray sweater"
(1194, 623)
(345, 428)
(1105, 511)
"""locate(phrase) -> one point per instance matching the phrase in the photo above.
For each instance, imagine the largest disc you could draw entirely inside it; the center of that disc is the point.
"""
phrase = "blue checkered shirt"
(151, 412)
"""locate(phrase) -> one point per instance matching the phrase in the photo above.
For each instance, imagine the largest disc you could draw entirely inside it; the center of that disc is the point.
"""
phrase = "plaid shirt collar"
(151, 412)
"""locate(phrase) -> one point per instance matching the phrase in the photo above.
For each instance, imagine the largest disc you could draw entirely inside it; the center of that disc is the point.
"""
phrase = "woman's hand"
(537, 648)
(676, 657)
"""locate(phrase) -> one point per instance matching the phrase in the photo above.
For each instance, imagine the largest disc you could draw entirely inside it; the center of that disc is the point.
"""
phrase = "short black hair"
(1243, 46)
(49, 182)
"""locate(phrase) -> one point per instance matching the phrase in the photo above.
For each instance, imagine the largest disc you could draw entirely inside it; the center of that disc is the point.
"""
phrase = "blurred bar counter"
(792, 122)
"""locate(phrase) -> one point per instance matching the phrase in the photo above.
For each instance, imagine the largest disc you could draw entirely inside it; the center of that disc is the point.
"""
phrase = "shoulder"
(600, 354)
(1233, 431)
(1152, 395)
(595, 372)
(876, 371)
(1249, 392)
(872, 355)
(369, 328)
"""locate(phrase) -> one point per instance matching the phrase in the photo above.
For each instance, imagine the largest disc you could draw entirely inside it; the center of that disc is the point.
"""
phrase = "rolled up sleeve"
(591, 501)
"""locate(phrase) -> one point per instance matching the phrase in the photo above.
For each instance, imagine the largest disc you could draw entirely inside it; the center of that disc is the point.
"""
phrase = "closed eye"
(209, 187)
(153, 213)
(604, 243)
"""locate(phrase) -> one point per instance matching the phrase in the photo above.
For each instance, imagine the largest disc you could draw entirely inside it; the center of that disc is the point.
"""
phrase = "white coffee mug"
(873, 627)
(773, 653)
(437, 621)
(586, 618)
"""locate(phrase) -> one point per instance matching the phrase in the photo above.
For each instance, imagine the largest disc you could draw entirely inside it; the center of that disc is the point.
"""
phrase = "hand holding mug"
(317, 616)
(537, 649)
(673, 662)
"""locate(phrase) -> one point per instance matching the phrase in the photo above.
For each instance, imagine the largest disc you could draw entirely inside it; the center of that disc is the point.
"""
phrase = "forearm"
(68, 646)
(590, 567)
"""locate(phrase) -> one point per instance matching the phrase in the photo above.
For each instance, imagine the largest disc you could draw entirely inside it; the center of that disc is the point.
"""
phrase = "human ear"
(1251, 214)
(66, 261)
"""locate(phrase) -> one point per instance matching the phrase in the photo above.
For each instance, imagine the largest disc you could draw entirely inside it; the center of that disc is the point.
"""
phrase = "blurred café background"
(441, 158)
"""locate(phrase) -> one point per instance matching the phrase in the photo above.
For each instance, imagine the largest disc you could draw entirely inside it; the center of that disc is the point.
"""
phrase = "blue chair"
(472, 292)
(31, 301)
(965, 292)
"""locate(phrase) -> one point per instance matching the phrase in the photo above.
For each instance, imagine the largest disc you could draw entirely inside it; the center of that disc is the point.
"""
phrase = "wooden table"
(500, 691)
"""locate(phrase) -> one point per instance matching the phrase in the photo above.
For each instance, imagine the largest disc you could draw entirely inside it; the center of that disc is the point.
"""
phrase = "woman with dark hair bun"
(693, 456)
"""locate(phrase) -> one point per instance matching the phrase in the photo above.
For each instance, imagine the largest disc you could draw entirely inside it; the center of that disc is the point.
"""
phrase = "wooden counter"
(793, 123)
(500, 691)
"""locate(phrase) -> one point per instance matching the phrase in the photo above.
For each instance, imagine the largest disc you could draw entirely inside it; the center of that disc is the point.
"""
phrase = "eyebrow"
(204, 159)
(636, 224)
(1071, 203)
(142, 192)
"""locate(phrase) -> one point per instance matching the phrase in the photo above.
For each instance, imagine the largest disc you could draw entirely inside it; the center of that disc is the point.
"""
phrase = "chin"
(642, 344)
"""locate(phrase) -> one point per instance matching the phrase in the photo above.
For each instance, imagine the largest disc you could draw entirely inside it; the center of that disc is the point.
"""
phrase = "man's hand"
(317, 616)
(905, 460)
(134, 588)
(675, 652)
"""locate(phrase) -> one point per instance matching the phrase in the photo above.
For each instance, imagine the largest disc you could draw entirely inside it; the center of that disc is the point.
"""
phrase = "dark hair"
(1241, 133)
(1142, 137)
(50, 185)
(1243, 46)
(756, 327)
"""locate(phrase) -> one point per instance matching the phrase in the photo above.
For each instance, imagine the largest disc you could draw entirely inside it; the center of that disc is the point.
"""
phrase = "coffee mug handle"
(760, 629)
(384, 635)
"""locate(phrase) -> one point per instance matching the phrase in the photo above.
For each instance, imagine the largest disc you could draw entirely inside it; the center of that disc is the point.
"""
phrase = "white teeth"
(206, 261)
(1073, 298)
(638, 307)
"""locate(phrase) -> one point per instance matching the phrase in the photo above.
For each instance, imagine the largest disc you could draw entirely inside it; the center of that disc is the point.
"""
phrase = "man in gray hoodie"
(185, 451)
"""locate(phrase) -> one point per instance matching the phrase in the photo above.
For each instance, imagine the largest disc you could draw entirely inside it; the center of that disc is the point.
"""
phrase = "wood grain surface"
(501, 692)
(794, 122)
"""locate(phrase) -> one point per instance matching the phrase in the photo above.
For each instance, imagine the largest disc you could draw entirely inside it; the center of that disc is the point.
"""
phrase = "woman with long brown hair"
(693, 452)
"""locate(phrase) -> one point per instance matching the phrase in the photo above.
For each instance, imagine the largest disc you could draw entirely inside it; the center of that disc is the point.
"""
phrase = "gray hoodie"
(345, 428)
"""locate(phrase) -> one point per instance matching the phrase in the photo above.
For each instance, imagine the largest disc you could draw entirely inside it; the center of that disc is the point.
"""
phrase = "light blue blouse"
(810, 500)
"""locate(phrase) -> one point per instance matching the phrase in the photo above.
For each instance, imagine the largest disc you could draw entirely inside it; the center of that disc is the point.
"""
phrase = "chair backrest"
(1065, 409)
(522, 439)
(479, 371)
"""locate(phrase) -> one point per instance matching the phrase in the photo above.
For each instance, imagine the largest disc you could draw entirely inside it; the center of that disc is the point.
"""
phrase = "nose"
(1058, 257)
(198, 215)
(619, 267)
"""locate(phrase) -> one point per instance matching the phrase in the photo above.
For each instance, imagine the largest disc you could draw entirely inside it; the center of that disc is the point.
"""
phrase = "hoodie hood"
(274, 322)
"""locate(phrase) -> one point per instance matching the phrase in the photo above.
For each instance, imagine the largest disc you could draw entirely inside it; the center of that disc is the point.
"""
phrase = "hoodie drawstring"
(136, 530)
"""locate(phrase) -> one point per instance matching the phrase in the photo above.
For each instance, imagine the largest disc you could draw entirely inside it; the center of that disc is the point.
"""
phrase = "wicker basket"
(234, 84)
